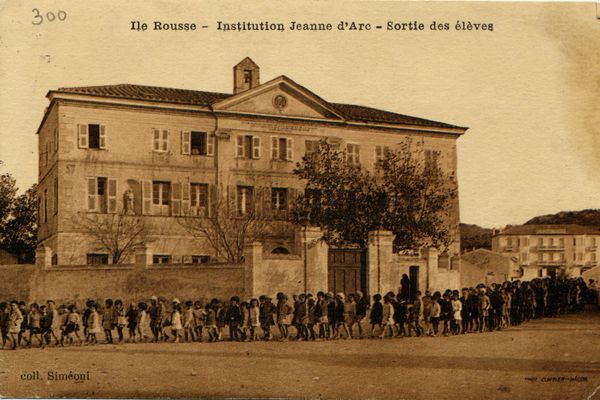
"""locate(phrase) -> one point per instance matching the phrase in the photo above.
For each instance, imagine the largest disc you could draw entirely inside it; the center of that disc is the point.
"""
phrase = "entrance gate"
(347, 271)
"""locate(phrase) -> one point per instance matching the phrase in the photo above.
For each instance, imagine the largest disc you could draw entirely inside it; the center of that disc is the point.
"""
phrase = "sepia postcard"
(299, 199)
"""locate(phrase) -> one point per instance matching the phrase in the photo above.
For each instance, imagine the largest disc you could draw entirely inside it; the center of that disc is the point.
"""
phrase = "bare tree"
(117, 234)
(229, 231)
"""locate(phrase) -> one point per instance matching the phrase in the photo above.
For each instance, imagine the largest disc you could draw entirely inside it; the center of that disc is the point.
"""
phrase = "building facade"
(162, 154)
(485, 266)
(549, 250)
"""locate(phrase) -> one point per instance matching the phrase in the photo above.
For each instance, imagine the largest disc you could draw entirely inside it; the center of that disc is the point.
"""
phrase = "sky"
(529, 90)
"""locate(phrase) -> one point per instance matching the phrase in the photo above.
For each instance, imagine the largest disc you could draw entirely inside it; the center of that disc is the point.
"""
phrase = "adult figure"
(404, 287)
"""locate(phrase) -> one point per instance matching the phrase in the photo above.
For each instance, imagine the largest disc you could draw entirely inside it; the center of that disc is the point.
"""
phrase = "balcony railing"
(551, 248)
(551, 263)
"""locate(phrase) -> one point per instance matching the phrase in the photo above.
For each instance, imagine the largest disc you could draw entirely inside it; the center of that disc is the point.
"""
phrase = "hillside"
(584, 217)
(474, 237)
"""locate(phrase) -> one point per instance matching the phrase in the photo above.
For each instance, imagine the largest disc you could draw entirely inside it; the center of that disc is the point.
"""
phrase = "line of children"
(325, 317)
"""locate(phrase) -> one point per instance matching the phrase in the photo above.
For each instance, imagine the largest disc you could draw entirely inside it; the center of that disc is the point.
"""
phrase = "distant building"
(549, 250)
(486, 266)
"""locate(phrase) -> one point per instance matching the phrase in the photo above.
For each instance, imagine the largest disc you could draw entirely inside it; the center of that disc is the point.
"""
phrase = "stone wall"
(15, 281)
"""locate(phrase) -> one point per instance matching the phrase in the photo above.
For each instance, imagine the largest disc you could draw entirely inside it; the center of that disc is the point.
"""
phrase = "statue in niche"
(128, 201)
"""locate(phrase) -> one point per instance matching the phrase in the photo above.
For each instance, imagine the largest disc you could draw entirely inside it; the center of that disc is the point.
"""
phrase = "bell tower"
(246, 75)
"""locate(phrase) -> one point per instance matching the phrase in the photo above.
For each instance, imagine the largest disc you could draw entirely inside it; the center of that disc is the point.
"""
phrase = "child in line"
(457, 314)
(266, 311)
(245, 324)
(388, 317)
(188, 322)
(108, 320)
(120, 318)
(376, 315)
(199, 319)
(132, 320)
(72, 326)
(144, 328)
(211, 321)
(94, 326)
(176, 322)
(35, 328)
(435, 311)
(284, 315)
(254, 319)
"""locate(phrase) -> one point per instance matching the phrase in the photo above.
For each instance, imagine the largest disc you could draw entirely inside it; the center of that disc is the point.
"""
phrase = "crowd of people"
(324, 316)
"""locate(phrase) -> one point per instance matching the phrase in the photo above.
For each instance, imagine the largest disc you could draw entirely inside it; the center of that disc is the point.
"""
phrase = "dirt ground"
(548, 359)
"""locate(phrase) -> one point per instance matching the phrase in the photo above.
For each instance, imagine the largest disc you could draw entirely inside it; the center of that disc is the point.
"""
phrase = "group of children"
(321, 317)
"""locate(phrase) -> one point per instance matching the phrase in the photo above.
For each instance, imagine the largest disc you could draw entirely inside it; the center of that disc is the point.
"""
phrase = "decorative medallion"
(279, 102)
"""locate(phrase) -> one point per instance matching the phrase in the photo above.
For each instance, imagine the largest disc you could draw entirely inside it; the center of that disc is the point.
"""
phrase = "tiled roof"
(351, 112)
(562, 229)
(368, 114)
(152, 93)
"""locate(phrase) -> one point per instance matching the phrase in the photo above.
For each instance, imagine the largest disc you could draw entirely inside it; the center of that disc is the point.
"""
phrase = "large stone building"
(162, 153)
(549, 250)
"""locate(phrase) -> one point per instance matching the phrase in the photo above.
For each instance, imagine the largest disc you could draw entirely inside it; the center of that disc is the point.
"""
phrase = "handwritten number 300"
(50, 16)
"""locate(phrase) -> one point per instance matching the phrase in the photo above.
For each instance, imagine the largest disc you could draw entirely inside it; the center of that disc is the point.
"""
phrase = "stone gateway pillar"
(379, 255)
(314, 253)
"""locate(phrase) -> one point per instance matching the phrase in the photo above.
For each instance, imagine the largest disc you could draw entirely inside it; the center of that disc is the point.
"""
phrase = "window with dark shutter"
(94, 136)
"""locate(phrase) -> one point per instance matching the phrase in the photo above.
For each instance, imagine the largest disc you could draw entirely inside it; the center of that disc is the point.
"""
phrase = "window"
(200, 259)
(161, 192)
(245, 199)
(161, 259)
(97, 258)
(54, 259)
(279, 199)
(561, 242)
(55, 140)
(509, 241)
(540, 273)
(280, 250)
(55, 196)
(247, 146)
(524, 257)
(311, 146)
(525, 242)
(579, 256)
(199, 199)
(161, 140)
(381, 153)
(102, 195)
(281, 148)
(352, 153)
(551, 240)
(561, 256)
(593, 256)
(248, 76)
(593, 241)
(197, 143)
(541, 242)
(91, 136)
(574, 241)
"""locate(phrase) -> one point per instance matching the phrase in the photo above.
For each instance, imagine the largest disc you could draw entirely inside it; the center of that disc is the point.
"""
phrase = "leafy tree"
(8, 191)
(19, 234)
(18, 219)
(404, 195)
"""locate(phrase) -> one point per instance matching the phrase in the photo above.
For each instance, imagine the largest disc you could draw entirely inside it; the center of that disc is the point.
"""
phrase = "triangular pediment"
(282, 97)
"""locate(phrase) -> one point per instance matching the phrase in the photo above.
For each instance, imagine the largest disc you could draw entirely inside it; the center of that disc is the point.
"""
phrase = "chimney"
(245, 75)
